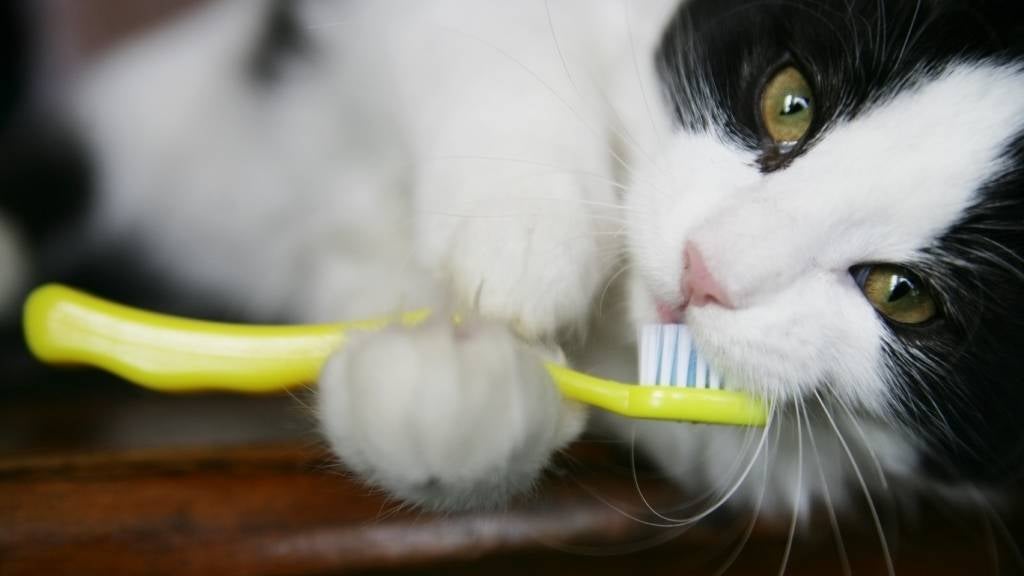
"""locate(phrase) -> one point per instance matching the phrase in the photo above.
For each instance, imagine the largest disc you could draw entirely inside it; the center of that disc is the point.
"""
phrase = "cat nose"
(700, 286)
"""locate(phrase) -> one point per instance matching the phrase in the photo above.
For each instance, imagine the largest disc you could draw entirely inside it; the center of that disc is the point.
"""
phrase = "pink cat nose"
(701, 287)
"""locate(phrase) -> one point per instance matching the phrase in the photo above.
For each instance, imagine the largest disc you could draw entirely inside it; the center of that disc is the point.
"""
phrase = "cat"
(829, 193)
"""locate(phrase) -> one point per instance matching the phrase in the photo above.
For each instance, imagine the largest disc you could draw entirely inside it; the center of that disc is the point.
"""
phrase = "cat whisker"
(710, 494)
(910, 34)
(716, 491)
(297, 400)
(636, 480)
(1010, 261)
(749, 530)
(669, 523)
(565, 103)
(389, 509)
(833, 520)
(623, 133)
(557, 170)
(882, 32)
(992, 544)
(609, 283)
(996, 523)
(926, 404)
(887, 556)
(619, 509)
(851, 20)
(592, 203)
(875, 462)
(798, 491)
(554, 93)
(530, 216)
(726, 494)
(639, 77)
(607, 181)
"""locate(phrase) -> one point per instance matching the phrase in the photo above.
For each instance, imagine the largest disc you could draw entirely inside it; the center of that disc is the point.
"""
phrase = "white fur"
(429, 151)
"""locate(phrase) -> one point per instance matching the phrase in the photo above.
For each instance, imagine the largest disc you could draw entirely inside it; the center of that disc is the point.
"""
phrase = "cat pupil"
(900, 287)
(794, 104)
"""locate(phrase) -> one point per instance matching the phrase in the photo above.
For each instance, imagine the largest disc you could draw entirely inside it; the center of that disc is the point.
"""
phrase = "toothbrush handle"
(172, 354)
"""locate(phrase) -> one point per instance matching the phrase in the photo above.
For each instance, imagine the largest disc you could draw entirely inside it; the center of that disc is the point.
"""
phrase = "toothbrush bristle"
(668, 357)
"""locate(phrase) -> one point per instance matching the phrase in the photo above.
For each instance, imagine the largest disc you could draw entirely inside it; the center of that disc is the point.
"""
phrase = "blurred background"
(46, 185)
(45, 177)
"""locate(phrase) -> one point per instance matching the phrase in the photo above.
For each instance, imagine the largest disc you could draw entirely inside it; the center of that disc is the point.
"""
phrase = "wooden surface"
(99, 478)
(285, 510)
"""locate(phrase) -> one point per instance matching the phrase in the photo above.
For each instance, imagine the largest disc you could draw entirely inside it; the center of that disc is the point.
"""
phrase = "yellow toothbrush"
(173, 354)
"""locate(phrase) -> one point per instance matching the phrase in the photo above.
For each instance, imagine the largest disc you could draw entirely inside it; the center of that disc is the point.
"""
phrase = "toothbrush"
(172, 354)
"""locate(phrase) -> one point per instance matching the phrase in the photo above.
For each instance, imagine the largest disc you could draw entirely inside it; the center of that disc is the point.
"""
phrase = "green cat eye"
(787, 107)
(897, 293)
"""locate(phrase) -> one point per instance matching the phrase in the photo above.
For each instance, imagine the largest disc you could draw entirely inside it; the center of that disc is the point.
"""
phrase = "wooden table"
(100, 478)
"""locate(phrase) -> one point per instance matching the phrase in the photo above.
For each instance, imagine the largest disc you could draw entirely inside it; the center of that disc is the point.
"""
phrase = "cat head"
(839, 210)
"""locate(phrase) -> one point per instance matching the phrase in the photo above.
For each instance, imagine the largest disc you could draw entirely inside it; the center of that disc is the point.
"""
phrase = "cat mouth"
(672, 313)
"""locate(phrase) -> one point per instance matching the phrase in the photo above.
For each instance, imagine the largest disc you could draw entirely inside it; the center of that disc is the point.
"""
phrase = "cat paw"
(445, 417)
(536, 263)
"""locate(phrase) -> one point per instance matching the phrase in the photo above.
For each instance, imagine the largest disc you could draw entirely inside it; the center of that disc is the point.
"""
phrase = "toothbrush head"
(669, 357)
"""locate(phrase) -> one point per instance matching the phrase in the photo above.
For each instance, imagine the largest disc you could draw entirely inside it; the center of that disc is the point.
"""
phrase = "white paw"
(534, 259)
(445, 417)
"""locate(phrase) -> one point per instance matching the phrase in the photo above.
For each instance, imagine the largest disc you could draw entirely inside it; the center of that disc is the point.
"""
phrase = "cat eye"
(787, 107)
(896, 293)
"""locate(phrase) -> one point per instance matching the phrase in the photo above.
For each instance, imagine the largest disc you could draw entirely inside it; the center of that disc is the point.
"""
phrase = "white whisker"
(890, 568)
(867, 445)
(619, 126)
(829, 507)
(748, 532)
(798, 491)
(554, 93)
(1004, 531)
(609, 283)
(728, 493)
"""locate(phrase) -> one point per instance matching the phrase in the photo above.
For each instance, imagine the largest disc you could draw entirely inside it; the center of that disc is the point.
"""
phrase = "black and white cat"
(829, 193)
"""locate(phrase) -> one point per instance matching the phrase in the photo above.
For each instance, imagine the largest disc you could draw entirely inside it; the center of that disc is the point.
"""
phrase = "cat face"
(839, 211)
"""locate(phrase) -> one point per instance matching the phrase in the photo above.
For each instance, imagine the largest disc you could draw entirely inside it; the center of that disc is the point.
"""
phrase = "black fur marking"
(960, 380)
(280, 40)
(716, 56)
(970, 405)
